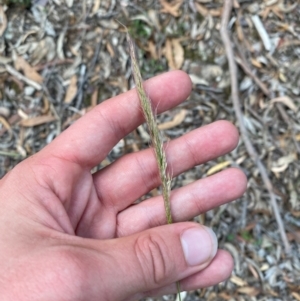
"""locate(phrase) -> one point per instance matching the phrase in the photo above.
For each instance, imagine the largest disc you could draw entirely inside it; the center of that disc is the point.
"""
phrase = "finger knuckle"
(155, 259)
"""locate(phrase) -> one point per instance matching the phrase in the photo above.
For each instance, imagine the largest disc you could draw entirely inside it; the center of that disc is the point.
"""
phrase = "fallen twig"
(241, 60)
(236, 104)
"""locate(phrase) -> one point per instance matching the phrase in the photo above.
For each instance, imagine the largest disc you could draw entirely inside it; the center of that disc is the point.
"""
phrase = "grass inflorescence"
(156, 139)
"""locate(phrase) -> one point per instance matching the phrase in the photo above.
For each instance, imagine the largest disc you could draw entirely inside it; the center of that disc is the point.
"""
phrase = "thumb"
(154, 258)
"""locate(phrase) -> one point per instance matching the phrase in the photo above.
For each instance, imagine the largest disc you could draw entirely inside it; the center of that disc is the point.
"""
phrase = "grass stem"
(156, 139)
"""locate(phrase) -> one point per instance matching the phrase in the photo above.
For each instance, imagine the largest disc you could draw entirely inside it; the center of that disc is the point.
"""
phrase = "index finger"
(88, 141)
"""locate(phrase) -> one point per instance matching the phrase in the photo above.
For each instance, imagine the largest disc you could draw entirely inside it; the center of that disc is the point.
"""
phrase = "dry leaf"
(217, 167)
(178, 118)
(282, 77)
(45, 48)
(178, 53)
(215, 12)
(202, 10)
(174, 53)
(46, 105)
(3, 21)
(196, 80)
(37, 120)
(286, 101)
(23, 78)
(153, 16)
(69, 3)
(251, 291)
(72, 90)
(256, 63)
(239, 31)
(168, 53)
(236, 4)
(296, 296)
(253, 271)
(262, 32)
(96, 7)
(110, 49)
(171, 8)
(225, 296)
(21, 151)
(60, 44)
(5, 124)
(94, 98)
(21, 64)
(283, 163)
(265, 266)
(237, 281)
(152, 49)
(5, 112)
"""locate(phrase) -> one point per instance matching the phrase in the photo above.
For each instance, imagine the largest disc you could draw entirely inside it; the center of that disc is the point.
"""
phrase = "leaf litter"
(59, 59)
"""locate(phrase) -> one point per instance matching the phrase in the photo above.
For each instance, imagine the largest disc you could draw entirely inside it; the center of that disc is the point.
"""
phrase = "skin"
(67, 234)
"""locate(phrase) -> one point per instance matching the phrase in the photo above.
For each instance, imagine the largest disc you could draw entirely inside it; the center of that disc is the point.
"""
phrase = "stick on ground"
(237, 108)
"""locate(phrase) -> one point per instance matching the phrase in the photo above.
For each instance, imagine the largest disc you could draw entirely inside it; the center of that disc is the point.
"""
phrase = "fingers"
(134, 175)
(218, 270)
(186, 202)
(151, 259)
(91, 138)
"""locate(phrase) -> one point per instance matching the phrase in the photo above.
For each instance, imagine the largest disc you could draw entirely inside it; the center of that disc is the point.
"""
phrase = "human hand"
(67, 234)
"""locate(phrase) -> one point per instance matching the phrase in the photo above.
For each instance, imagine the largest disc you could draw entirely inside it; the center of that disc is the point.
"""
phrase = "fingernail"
(199, 245)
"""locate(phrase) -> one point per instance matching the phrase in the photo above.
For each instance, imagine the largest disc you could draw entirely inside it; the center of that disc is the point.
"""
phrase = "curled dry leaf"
(153, 16)
(34, 121)
(72, 90)
(251, 291)
(151, 47)
(178, 119)
(21, 77)
(237, 281)
(59, 47)
(286, 101)
(171, 8)
(45, 48)
(4, 122)
(296, 296)
(22, 65)
(96, 7)
(174, 53)
(202, 10)
(196, 80)
(262, 32)
(218, 167)
(283, 163)
(21, 151)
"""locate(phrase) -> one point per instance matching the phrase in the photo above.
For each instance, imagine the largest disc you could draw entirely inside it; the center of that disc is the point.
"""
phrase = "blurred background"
(60, 58)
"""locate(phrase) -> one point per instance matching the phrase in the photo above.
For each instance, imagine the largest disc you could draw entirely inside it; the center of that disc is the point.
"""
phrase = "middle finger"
(133, 175)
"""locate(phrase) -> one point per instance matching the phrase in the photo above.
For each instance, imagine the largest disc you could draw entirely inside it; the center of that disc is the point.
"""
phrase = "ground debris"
(60, 59)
